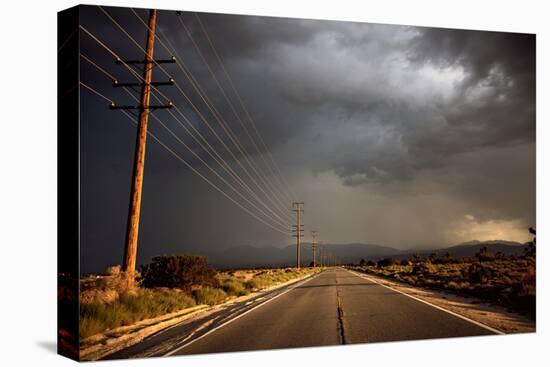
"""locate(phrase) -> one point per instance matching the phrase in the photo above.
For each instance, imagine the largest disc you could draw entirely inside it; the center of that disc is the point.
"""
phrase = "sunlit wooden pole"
(130, 250)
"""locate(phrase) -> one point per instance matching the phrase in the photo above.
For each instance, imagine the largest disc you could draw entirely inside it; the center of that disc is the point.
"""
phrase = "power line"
(214, 171)
(284, 184)
(217, 115)
(190, 166)
(227, 168)
(190, 102)
(232, 107)
(214, 150)
(283, 224)
(96, 92)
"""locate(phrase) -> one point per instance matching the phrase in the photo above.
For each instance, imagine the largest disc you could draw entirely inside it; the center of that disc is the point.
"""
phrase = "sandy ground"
(481, 311)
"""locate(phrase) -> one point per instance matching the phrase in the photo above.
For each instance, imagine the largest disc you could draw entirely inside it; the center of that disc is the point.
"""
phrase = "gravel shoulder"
(478, 310)
(103, 344)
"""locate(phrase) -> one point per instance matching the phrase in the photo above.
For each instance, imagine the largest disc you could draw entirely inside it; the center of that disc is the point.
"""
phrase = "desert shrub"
(209, 296)
(478, 274)
(531, 249)
(529, 281)
(99, 316)
(507, 281)
(457, 286)
(267, 279)
(405, 262)
(485, 255)
(113, 270)
(234, 287)
(364, 263)
(181, 272)
(423, 268)
(90, 326)
(387, 262)
(443, 260)
(409, 279)
(258, 283)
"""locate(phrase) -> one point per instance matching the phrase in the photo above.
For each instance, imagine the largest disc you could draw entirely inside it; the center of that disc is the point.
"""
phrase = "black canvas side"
(68, 136)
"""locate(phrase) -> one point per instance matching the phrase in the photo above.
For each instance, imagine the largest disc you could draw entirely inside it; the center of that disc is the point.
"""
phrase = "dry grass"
(98, 316)
(106, 302)
(506, 281)
(209, 296)
(241, 282)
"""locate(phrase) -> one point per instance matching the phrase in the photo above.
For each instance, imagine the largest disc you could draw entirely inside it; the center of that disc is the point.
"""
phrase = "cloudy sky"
(395, 135)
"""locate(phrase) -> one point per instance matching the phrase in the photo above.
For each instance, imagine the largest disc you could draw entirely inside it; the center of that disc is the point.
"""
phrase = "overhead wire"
(187, 164)
(203, 119)
(228, 169)
(239, 98)
(132, 71)
(239, 145)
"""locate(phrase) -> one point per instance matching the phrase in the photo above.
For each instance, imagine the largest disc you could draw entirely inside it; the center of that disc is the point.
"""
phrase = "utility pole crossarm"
(114, 106)
(147, 60)
(130, 248)
(116, 83)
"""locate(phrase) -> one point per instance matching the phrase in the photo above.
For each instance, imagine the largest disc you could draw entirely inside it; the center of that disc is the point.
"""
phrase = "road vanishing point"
(334, 307)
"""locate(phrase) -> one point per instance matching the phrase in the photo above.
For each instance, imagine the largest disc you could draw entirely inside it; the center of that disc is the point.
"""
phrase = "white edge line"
(173, 351)
(429, 304)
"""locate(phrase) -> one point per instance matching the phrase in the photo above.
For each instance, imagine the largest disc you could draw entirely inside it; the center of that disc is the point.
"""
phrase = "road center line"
(173, 351)
(340, 316)
(429, 304)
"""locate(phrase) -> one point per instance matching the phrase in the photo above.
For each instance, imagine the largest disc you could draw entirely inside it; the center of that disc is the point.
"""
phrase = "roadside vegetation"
(167, 284)
(509, 281)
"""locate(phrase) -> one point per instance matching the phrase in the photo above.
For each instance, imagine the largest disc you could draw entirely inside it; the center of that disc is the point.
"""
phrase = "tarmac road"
(336, 307)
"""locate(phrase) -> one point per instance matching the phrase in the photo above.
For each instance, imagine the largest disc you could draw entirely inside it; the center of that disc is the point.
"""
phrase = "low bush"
(270, 278)
(423, 268)
(506, 280)
(235, 287)
(188, 282)
(259, 282)
(209, 296)
(387, 262)
(99, 316)
(485, 255)
(183, 272)
(478, 274)
(457, 285)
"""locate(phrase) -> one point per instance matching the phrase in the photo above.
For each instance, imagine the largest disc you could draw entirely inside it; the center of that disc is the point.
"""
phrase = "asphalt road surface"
(335, 307)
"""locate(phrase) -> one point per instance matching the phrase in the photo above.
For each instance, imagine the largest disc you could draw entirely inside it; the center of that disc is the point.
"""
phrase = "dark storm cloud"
(348, 73)
(387, 103)
(381, 126)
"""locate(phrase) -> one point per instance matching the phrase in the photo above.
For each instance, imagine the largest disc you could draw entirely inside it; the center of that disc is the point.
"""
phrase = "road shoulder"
(104, 344)
(494, 316)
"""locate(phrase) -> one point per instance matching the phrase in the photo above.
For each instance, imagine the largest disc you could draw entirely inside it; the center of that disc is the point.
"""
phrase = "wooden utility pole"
(130, 248)
(314, 245)
(298, 229)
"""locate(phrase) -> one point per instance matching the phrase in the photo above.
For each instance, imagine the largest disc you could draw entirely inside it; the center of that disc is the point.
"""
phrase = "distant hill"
(472, 247)
(251, 256)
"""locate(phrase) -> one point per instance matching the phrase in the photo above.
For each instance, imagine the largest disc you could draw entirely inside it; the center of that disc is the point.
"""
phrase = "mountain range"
(251, 256)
